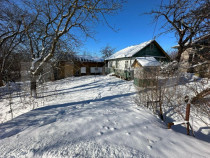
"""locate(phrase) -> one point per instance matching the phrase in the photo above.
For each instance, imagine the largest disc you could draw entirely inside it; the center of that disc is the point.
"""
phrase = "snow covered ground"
(90, 116)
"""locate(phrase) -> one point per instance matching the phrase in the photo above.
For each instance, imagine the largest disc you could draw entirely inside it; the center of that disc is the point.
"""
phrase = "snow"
(90, 116)
(180, 122)
(147, 61)
(129, 51)
(199, 39)
(89, 58)
(34, 62)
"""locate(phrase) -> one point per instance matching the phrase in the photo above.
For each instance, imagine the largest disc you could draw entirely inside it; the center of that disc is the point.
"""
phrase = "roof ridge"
(130, 50)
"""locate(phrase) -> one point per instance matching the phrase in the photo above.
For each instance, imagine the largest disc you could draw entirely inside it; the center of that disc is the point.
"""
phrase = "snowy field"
(90, 116)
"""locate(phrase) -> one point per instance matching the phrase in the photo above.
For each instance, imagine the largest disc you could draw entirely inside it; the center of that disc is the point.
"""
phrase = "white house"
(120, 63)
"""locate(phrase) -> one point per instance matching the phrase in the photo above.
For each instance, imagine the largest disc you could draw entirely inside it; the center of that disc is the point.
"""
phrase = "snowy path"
(94, 117)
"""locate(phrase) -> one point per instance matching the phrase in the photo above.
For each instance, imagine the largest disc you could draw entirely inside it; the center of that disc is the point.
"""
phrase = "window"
(117, 64)
(126, 64)
(96, 70)
(152, 46)
(83, 70)
(190, 57)
(110, 63)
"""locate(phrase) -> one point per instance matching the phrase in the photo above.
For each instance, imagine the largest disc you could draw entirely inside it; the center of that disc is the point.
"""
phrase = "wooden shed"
(78, 66)
(64, 69)
(88, 68)
(145, 71)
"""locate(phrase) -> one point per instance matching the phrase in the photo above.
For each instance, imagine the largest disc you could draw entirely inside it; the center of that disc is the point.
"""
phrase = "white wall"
(96, 70)
(121, 63)
(83, 70)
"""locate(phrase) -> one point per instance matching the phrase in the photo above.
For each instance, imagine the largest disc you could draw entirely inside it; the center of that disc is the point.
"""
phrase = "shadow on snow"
(45, 115)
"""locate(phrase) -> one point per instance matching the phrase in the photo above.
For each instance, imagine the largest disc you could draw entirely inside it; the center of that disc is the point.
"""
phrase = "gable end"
(154, 50)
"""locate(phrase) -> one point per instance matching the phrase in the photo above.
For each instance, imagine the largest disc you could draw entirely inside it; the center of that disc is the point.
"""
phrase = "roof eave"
(143, 47)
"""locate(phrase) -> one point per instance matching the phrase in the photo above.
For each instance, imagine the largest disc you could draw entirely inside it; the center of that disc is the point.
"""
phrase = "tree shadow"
(87, 142)
(46, 115)
(181, 129)
(172, 81)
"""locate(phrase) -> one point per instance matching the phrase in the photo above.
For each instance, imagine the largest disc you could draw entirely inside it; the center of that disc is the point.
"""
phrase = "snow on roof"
(147, 61)
(88, 58)
(129, 51)
(194, 41)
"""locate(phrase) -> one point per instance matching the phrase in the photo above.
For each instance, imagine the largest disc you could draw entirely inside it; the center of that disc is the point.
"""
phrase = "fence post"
(170, 124)
(187, 117)
(160, 102)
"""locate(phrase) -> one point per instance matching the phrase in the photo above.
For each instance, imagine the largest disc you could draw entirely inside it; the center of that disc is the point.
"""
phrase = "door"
(83, 70)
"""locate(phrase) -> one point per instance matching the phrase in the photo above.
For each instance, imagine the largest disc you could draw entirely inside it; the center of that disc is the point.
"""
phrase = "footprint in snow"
(151, 141)
(99, 96)
(109, 128)
(154, 140)
(74, 107)
(100, 133)
(41, 122)
(128, 133)
(62, 112)
(105, 127)
(149, 147)
(88, 102)
(112, 128)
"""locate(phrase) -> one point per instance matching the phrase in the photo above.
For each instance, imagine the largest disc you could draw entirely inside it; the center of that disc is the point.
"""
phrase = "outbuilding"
(145, 71)
(79, 66)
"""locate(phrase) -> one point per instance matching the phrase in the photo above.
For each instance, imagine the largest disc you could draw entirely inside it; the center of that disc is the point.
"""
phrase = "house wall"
(88, 66)
(188, 63)
(152, 50)
(96, 70)
(67, 69)
(121, 67)
(184, 61)
(121, 63)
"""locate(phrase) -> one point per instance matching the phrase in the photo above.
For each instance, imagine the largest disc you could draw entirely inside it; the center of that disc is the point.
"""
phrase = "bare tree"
(173, 54)
(11, 35)
(107, 51)
(57, 20)
(186, 18)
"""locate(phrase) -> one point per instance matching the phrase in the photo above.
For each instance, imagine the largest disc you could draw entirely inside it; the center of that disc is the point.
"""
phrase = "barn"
(79, 66)
(121, 62)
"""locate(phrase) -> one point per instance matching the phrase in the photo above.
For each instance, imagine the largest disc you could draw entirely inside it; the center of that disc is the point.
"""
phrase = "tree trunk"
(33, 86)
(180, 51)
(199, 98)
(1, 81)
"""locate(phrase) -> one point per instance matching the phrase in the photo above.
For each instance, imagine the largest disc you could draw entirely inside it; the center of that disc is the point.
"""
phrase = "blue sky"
(134, 28)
